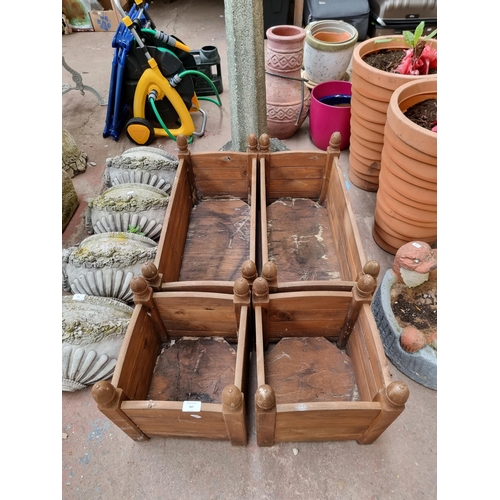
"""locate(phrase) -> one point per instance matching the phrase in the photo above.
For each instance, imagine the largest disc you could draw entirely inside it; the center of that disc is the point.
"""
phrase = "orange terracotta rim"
(403, 199)
(366, 165)
(362, 183)
(367, 113)
(409, 191)
(406, 210)
(410, 133)
(380, 106)
(363, 148)
(415, 218)
(376, 76)
(366, 133)
(396, 169)
(406, 230)
(421, 169)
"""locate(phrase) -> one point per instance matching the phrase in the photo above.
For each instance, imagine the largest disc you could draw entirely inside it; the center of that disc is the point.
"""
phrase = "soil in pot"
(423, 114)
(416, 307)
(388, 60)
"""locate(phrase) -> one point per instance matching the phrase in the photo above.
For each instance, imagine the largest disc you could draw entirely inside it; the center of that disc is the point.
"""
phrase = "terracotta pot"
(371, 92)
(287, 98)
(406, 207)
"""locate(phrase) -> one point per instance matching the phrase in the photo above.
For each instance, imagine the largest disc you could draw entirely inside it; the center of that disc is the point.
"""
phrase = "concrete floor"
(100, 462)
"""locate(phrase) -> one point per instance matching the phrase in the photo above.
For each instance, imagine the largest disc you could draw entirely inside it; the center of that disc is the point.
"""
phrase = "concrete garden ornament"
(93, 329)
(405, 309)
(103, 264)
(137, 208)
(144, 165)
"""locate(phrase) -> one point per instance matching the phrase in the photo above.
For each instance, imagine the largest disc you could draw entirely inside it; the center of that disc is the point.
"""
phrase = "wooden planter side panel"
(221, 174)
(197, 314)
(174, 232)
(166, 419)
(294, 175)
(240, 371)
(343, 223)
(307, 314)
(324, 421)
(136, 362)
(367, 353)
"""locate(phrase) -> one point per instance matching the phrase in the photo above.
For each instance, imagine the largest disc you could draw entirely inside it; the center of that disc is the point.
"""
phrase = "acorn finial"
(265, 397)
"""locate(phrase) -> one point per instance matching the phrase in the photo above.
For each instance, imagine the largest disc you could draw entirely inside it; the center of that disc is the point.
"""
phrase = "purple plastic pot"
(325, 119)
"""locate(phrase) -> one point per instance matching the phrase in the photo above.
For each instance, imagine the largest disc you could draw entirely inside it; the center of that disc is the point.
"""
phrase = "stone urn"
(138, 208)
(406, 206)
(372, 89)
(142, 165)
(93, 329)
(287, 97)
(104, 264)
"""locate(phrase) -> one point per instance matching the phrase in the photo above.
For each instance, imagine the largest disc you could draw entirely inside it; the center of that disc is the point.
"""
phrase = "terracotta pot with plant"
(380, 65)
(406, 205)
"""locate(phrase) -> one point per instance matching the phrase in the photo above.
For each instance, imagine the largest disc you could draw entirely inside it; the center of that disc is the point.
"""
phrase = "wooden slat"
(263, 248)
(259, 347)
(331, 422)
(253, 211)
(302, 159)
(173, 236)
(240, 370)
(137, 358)
(365, 377)
(307, 313)
(199, 286)
(166, 419)
(315, 286)
(218, 240)
(348, 244)
(197, 313)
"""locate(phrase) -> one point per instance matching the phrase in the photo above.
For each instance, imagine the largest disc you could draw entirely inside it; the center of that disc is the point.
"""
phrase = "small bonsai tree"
(420, 57)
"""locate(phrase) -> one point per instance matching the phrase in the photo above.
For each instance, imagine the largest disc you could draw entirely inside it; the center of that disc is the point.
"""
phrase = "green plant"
(419, 57)
(135, 230)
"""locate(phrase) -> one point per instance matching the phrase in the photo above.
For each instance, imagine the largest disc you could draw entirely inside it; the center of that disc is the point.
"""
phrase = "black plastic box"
(275, 13)
(353, 12)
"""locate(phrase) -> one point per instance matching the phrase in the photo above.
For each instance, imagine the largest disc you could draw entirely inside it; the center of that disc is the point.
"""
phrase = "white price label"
(79, 296)
(191, 406)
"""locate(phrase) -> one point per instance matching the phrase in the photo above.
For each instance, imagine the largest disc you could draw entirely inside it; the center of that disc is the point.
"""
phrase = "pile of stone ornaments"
(124, 224)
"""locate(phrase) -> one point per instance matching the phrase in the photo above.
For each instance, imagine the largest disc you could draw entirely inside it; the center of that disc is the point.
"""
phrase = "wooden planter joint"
(283, 268)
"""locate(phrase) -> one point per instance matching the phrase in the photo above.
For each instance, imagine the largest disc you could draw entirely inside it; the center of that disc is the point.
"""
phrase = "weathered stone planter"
(103, 264)
(143, 165)
(420, 366)
(93, 329)
(128, 207)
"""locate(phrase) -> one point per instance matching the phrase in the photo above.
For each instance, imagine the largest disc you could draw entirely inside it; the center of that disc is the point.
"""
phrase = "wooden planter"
(308, 236)
(195, 387)
(321, 369)
(371, 92)
(208, 238)
(406, 207)
(191, 388)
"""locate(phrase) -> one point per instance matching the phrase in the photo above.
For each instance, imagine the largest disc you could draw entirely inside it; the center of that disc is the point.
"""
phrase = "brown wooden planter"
(406, 206)
(208, 238)
(195, 387)
(322, 374)
(371, 92)
(308, 235)
(191, 388)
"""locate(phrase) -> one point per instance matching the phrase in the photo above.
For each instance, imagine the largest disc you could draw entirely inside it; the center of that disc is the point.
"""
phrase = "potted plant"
(406, 205)
(405, 310)
(380, 65)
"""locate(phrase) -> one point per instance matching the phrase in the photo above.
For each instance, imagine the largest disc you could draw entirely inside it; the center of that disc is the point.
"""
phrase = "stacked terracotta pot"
(406, 207)
(371, 91)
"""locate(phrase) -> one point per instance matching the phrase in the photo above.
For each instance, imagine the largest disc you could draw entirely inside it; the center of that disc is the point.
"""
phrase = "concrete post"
(246, 70)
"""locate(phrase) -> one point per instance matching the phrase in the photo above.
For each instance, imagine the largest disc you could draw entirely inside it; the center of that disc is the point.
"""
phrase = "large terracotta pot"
(371, 92)
(287, 98)
(406, 206)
